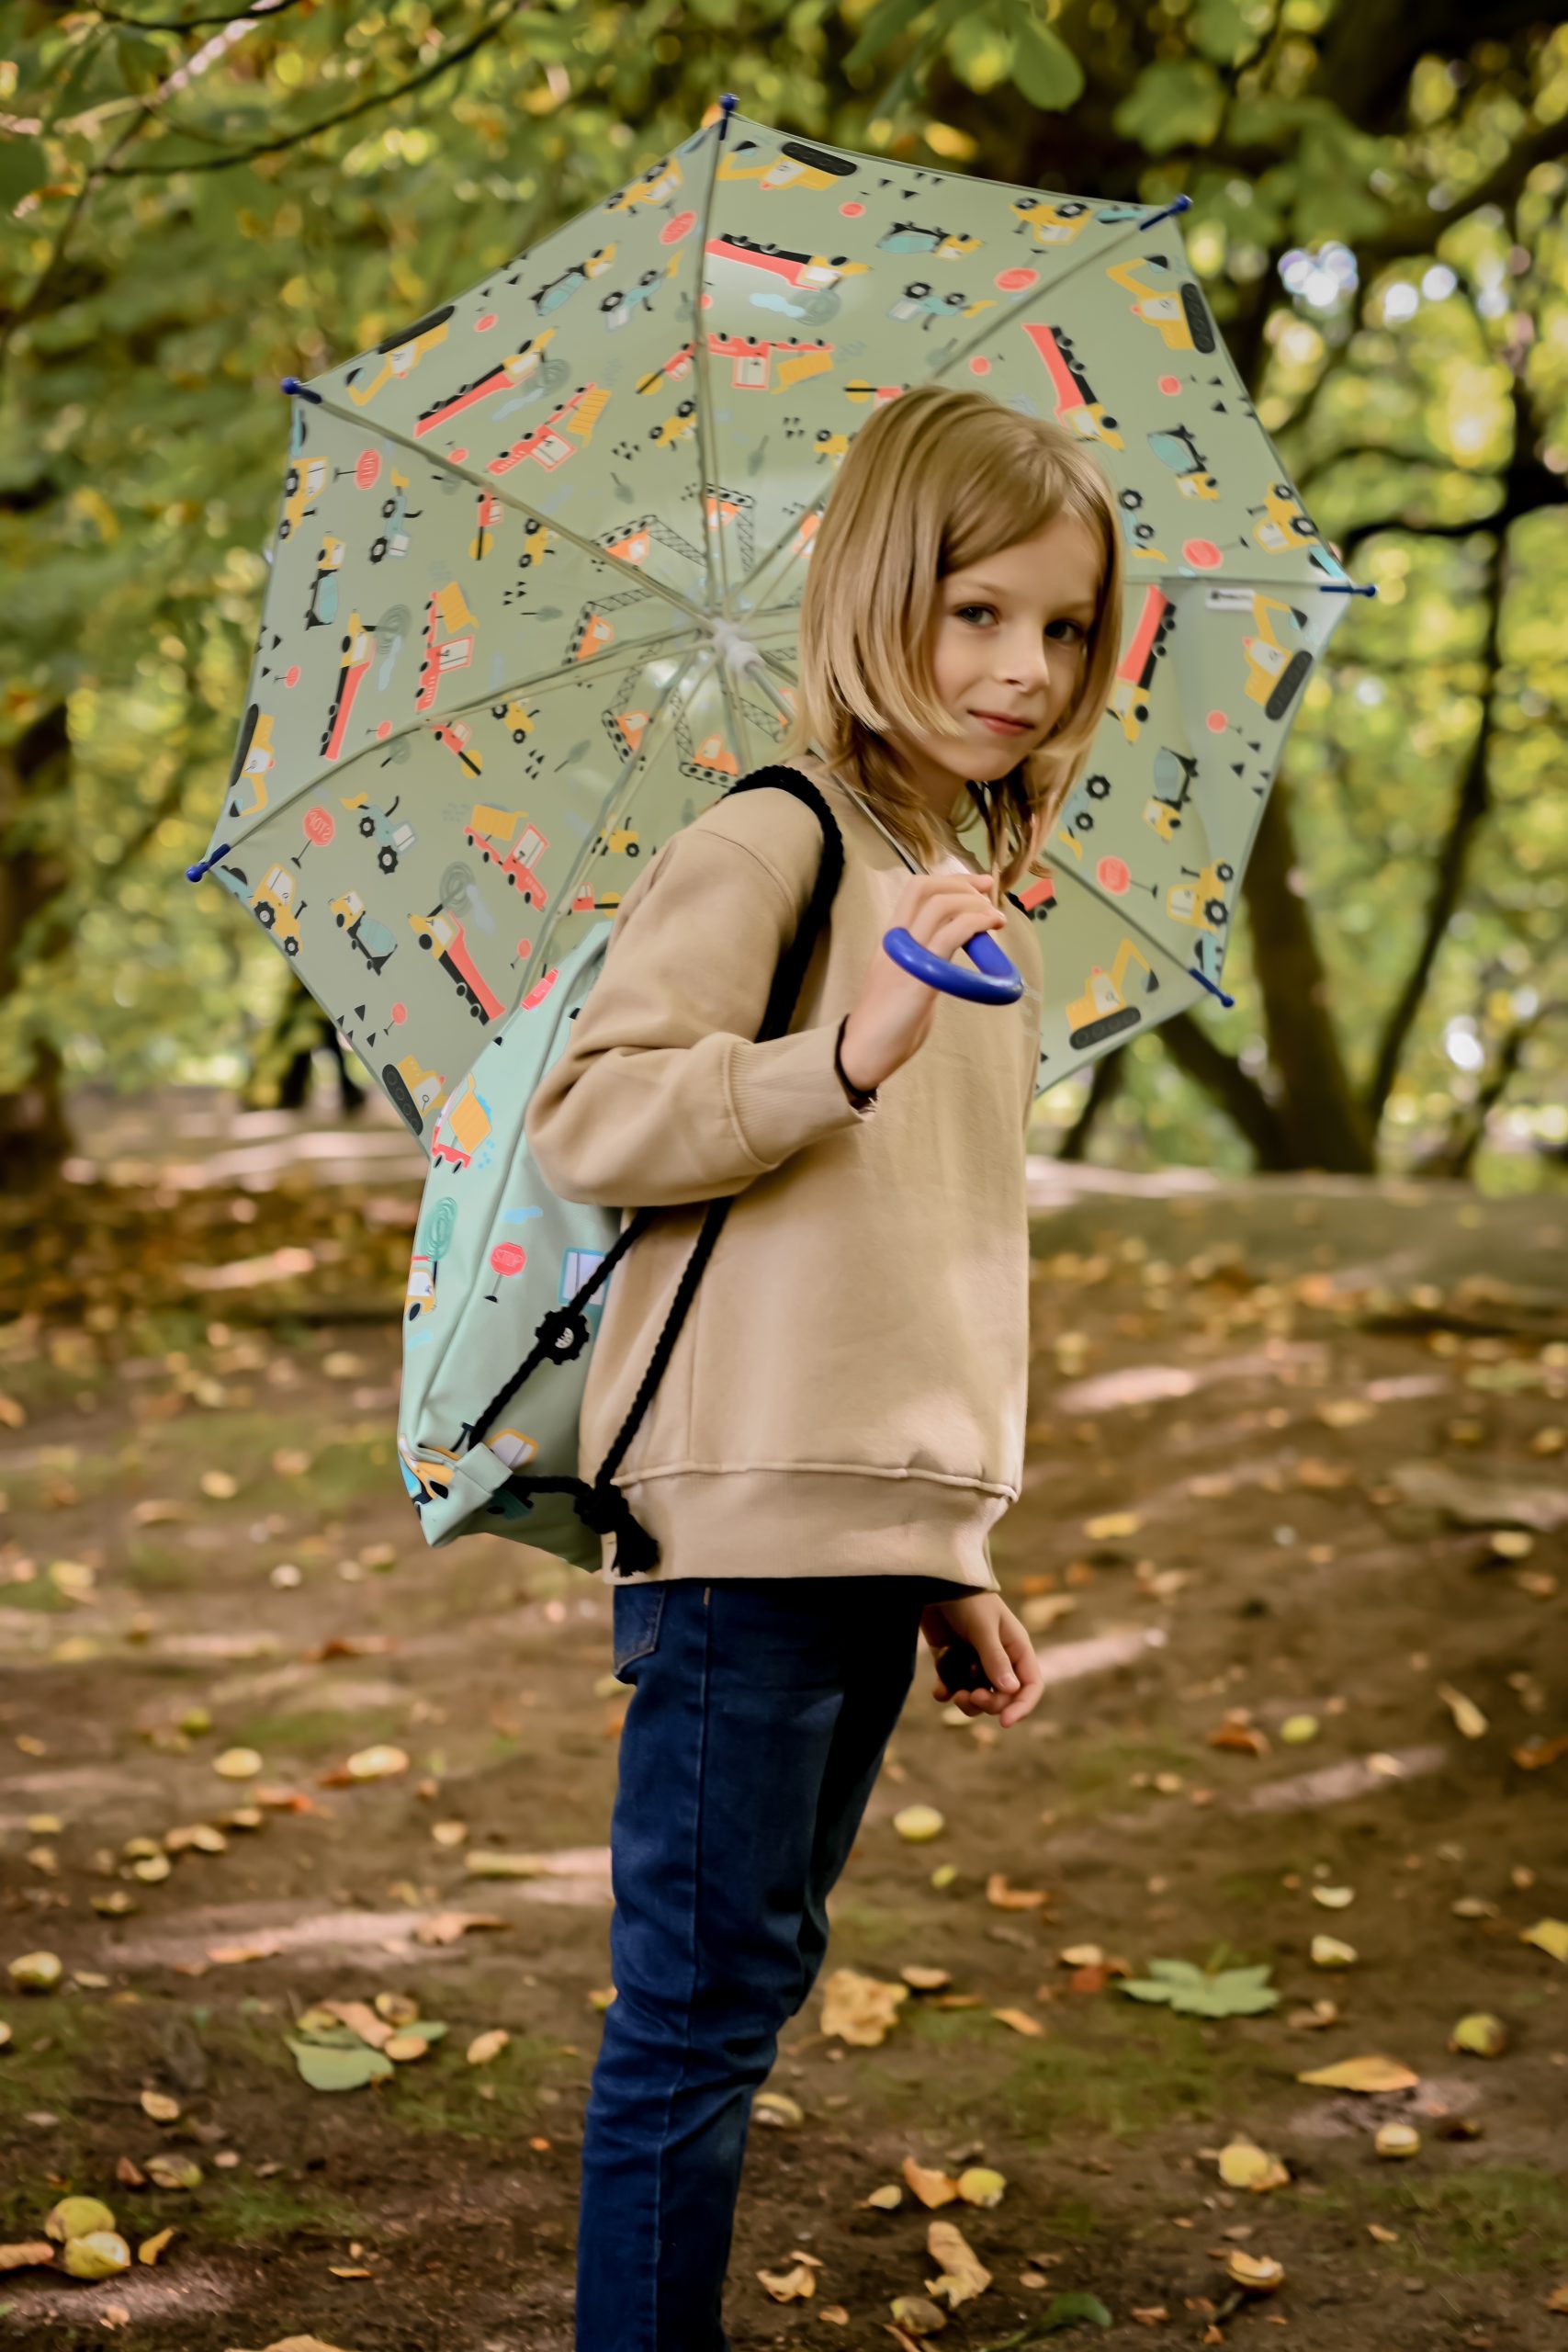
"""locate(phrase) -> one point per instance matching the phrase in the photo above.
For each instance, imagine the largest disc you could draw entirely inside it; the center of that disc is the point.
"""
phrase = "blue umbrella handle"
(998, 981)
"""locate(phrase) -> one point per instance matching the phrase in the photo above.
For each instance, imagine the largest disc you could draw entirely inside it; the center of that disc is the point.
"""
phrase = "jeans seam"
(686, 2033)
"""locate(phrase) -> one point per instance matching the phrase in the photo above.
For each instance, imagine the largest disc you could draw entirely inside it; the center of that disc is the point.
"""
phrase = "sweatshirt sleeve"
(662, 1094)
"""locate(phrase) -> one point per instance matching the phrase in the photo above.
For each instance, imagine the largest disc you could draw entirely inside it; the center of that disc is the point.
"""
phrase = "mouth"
(999, 726)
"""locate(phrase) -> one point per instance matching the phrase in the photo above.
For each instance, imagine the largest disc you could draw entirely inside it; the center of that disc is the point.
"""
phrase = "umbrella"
(539, 555)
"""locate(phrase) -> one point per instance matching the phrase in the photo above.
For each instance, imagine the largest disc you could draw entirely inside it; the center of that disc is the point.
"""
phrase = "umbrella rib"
(680, 641)
(1108, 906)
(733, 709)
(611, 800)
(711, 526)
(1234, 580)
(1132, 229)
(519, 506)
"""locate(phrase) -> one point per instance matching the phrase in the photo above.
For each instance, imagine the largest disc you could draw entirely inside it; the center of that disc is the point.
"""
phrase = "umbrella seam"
(1031, 294)
(707, 440)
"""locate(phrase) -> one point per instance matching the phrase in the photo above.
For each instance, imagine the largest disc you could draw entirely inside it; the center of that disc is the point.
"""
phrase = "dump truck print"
(462, 1127)
(442, 935)
(504, 837)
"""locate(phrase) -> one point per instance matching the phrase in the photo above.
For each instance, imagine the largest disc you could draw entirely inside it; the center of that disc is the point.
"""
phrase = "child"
(840, 1423)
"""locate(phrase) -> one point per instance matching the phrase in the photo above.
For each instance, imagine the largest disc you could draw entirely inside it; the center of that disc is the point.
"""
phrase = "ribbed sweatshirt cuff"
(786, 1094)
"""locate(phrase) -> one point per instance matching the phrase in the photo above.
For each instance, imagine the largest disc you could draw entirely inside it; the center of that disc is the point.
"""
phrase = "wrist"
(860, 1096)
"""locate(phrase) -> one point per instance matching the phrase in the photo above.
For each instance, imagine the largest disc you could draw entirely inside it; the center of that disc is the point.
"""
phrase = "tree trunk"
(1107, 1083)
(35, 1135)
(1320, 1121)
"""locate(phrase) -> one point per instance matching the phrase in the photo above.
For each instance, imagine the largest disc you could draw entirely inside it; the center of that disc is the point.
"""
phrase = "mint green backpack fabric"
(507, 1282)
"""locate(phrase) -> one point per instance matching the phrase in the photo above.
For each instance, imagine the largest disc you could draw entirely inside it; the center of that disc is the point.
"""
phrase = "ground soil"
(1309, 1408)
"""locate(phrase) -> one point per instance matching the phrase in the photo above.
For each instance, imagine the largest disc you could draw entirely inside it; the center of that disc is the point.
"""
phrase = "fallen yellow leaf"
(1012, 1899)
(1468, 1718)
(790, 2286)
(1370, 2073)
(963, 2275)
(860, 2010)
(919, 1823)
(1258, 2273)
(1245, 2165)
(1549, 1936)
(931, 2186)
(1019, 2020)
(1112, 1523)
(1482, 2034)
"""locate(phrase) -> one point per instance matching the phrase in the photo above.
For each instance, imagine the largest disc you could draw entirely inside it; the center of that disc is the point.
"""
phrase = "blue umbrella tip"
(291, 384)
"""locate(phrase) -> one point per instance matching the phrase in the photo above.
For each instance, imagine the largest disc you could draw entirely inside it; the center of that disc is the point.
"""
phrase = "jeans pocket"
(638, 1611)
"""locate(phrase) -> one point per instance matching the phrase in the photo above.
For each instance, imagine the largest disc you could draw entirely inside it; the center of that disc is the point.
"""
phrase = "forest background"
(198, 204)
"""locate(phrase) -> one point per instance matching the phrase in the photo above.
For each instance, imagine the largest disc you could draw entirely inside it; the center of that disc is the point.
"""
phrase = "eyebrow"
(1083, 604)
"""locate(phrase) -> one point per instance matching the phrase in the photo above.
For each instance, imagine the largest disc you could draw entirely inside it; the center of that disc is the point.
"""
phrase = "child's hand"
(1006, 1652)
(892, 1016)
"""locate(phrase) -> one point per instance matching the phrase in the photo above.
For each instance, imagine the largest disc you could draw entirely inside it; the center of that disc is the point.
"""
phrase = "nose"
(1025, 667)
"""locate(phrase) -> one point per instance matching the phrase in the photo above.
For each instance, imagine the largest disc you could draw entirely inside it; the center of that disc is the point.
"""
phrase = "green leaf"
(1219, 29)
(1224, 1999)
(1042, 65)
(23, 168)
(140, 62)
(980, 50)
(1143, 1988)
(1230, 1993)
(338, 2070)
(1066, 2311)
(886, 22)
(1176, 102)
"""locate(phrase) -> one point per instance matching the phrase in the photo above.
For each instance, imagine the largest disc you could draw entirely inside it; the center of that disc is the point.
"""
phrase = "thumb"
(997, 1665)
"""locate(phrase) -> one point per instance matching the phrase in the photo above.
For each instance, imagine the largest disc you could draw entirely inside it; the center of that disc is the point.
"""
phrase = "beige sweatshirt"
(847, 1395)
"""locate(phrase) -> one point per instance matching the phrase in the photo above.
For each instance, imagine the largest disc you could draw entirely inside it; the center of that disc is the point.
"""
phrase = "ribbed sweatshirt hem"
(790, 1521)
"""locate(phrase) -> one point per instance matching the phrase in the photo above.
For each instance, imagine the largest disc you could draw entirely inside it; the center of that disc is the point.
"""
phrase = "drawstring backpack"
(498, 1257)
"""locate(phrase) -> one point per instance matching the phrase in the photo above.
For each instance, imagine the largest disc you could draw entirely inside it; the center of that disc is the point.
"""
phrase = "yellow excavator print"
(1103, 1010)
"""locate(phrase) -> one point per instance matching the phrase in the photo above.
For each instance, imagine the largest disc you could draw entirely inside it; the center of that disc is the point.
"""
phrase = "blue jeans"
(761, 1711)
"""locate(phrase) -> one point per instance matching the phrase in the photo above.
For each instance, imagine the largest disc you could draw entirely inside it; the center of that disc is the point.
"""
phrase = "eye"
(959, 611)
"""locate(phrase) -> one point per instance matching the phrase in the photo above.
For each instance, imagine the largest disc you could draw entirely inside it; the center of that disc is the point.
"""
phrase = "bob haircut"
(938, 478)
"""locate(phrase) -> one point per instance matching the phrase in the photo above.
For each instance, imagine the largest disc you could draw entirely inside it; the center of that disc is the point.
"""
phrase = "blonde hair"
(938, 478)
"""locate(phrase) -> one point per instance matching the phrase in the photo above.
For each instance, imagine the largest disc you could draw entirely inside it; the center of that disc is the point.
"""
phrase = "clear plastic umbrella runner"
(540, 557)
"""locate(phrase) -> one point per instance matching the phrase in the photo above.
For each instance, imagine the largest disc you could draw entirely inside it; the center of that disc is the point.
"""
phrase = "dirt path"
(1308, 1412)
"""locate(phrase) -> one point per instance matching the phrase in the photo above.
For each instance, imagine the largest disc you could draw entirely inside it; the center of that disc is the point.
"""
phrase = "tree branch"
(1222, 1078)
(1522, 484)
(258, 9)
(1108, 1077)
(1455, 1155)
(366, 104)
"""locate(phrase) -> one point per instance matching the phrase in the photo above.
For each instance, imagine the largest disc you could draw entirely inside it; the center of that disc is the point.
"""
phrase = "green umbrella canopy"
(539, 557)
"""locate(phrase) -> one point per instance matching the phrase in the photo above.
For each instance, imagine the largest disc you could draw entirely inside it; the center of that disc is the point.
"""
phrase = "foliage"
(194, 213)
(1199, 1993)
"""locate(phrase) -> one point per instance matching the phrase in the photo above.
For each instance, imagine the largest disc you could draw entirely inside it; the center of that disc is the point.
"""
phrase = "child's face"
(1009, 636)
